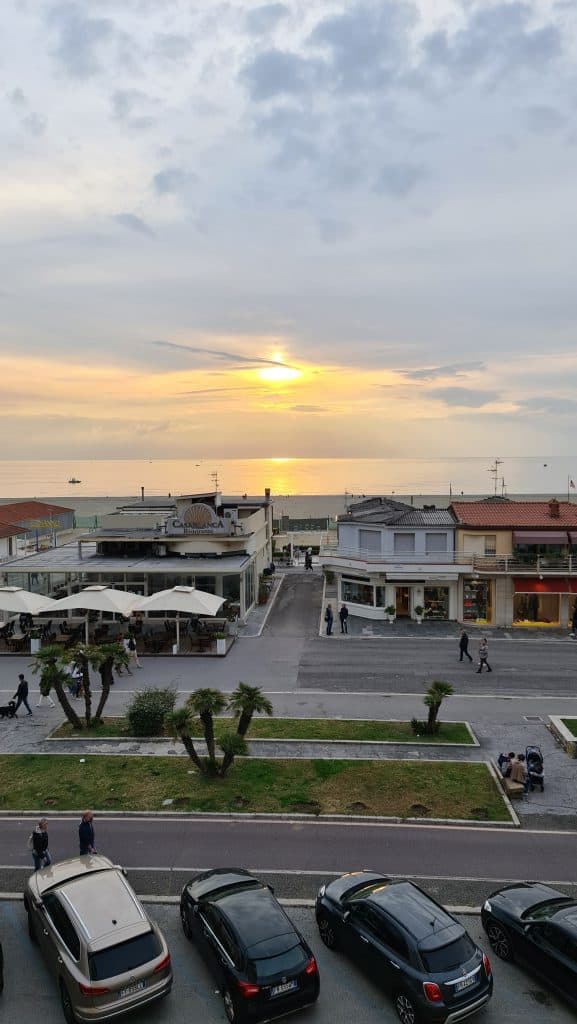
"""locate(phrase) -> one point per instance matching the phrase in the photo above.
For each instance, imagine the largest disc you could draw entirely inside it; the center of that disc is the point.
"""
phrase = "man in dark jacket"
(464, 646)
(40, 854)
(86, 834)
(343, 616)
(21, 695)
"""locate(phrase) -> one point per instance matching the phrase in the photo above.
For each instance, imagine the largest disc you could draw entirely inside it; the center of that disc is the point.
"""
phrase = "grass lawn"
(399, 788)
(570, 724)
(304, 729)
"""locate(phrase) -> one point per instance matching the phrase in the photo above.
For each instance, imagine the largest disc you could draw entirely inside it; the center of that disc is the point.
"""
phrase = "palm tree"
(105, 658)
(231, 745)
(181, 724)
(245, 702)
(206, 704)
(48, 661)
(433, 699)
(79, 655)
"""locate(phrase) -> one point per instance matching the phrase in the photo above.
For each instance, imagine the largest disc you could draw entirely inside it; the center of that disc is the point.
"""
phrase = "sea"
(299, 487)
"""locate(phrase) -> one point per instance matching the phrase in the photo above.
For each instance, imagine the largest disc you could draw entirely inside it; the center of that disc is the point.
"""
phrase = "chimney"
(554, 508)
(267, 493)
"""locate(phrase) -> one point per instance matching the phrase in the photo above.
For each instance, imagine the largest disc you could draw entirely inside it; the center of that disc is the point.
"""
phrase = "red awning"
(532, 586)
(540, 537)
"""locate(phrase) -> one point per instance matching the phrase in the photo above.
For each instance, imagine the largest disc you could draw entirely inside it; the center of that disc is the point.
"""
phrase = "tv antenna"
(494, 471)
(214, 478)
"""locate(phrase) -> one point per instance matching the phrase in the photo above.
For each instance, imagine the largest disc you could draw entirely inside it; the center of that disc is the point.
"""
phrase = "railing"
(541, 564)
(506, 564)
(437, 557)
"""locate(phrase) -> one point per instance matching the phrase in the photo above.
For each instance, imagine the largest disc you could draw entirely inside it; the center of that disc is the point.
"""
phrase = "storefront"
(477, 601)
(368, 596)
(542, 602)
(436, 603)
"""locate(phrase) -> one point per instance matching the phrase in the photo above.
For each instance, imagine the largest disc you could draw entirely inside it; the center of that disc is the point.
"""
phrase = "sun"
(278, 374)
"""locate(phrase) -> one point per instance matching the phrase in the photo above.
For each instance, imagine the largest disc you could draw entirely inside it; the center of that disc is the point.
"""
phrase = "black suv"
(536, 925)
(263, 966)
(408, 943)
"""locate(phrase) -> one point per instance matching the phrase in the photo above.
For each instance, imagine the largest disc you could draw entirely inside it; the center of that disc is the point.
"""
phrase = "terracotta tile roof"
(513, 515)
(9, 530)
(19, 511)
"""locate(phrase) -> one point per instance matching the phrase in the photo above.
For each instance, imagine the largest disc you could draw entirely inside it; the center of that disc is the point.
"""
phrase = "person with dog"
(21, 695)
(40, 852)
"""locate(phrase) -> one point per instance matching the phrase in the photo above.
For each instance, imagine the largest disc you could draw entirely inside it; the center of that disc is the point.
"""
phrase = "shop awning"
(573, 537)
(540, 537)
(532, 586)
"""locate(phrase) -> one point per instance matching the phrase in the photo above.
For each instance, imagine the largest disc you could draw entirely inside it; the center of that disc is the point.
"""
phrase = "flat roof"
(66, 559)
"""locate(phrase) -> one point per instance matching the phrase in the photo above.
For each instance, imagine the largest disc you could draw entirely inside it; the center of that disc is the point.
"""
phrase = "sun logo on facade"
(199, 516)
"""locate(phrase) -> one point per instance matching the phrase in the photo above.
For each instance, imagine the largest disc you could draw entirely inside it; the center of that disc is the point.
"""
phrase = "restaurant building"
(219, 545)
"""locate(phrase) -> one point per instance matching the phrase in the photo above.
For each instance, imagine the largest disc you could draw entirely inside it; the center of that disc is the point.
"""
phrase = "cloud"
(308, 408)
(399, 179)
(463, 396)
(17, 98)
(80, 39)
(450, 370)
(544, 120)
(133, 108)
(278, 73)
(35, 124)
(131, 222)
(264, 19)
(548, 404)
(219, 391)
(172, 180)
(253, 361)
(332, 230)
(172, 47)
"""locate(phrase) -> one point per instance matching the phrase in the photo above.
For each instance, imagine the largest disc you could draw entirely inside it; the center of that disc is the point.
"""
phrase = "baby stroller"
(534, 760)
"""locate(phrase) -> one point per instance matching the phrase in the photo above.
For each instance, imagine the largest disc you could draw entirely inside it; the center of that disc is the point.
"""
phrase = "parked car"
(408, 943)
(262, 964)
(537, 926)
(1, 969)
(107, 955)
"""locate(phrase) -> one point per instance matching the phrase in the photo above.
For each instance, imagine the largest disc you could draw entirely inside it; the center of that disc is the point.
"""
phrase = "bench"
(514, 790)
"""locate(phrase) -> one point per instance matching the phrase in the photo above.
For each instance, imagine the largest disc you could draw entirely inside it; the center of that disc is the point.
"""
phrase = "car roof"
(53, 876)
(207, 884)
(254, 915)
(104, 907)
(415, 911)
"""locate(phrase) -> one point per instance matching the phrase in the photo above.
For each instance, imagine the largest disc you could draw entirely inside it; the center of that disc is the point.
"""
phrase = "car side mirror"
(346, 915)
(271, 887)
(196, 909)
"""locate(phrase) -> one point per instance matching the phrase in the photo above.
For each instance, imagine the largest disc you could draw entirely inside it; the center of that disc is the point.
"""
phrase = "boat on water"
(73, 480)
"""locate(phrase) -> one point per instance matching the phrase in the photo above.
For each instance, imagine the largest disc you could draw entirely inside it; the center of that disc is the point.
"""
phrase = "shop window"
(436, 602)
(436, 543)
(356, 593)
(381, 597)
(477, 601)
(404, 543)
(531, 608)
(231, 587)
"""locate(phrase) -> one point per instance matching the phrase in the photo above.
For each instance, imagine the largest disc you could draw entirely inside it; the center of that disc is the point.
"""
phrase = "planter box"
(563, 735)
(221, 646)
(35, 645)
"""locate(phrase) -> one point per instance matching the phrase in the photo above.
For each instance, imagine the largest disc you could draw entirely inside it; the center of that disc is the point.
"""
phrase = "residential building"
(12, 541)
(389, 553)
(220, 545)
(37, 523)
(524, 556)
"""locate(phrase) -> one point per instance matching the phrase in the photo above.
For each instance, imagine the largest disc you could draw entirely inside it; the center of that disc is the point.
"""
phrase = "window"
(491, 544)
(283, 963)
(62, 924)
(231, 587)
(126, 956)
(435, 543)
(477, 601)
(436, 602)
(529, 608)
(370, 541)
(356, 593)
(404, 543)
(445, 958)
(392, 937)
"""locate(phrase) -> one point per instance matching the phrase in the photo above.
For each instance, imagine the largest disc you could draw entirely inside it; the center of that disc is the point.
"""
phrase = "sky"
(301, 228)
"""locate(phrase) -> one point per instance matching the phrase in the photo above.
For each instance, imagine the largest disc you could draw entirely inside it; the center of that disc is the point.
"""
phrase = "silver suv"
(106, 953)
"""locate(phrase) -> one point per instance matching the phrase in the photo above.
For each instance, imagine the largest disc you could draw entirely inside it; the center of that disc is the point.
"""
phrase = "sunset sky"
(304, 228)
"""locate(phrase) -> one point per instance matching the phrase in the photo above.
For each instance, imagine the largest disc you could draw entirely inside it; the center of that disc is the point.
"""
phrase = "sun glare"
(278, 374)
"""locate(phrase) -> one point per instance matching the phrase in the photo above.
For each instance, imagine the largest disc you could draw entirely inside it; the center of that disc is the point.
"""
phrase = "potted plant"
(419, 612)
(391, 612)
(220, 643)
(35, 641)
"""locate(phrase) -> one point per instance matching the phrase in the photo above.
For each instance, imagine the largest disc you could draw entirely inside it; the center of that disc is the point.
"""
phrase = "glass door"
(403, 602)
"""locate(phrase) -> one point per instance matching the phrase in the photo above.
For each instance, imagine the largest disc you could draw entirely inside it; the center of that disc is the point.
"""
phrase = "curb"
(270, 606)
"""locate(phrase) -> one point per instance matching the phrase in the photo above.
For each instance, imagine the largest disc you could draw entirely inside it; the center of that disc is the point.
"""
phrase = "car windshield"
(126, 956)
(364, 890)
(285, 963)
(446, 957)
(548, 909)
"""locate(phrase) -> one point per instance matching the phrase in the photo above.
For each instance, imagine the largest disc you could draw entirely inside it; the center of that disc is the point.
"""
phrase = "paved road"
(309, 846)
(346, 994)
(296, 610)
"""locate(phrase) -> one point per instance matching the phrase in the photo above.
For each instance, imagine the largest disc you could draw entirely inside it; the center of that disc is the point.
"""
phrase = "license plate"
(279, 990)
(465, 983)
(131, 989)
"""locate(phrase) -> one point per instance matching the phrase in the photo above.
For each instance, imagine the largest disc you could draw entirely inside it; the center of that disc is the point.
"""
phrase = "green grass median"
(300, 729)
(571, 725)
(390, 788)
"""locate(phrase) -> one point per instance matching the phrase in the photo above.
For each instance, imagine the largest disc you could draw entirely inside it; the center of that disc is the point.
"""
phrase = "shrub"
(420, 728)
(329, 576)
(148, 709)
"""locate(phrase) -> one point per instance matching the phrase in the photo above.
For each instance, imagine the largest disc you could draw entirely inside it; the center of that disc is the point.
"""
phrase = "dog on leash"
(8, 710)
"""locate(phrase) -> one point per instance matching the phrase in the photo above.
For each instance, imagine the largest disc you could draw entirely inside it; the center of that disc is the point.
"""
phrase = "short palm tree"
(53, 676)
(433, 699)
(105, 658)
(207, 703)
(245, 702)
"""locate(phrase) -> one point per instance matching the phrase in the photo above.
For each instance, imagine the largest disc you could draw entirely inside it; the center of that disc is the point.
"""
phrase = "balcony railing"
(546, 565)
(372, 557)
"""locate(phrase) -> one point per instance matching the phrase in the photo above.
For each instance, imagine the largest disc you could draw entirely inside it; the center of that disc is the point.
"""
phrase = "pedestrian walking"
(484, 656)
(329, 619)
(343, 616)
(38, 844)
(574, 620)
(21, 695)
(86, 834)
(130, 648)
(464, 645)
(45, 697)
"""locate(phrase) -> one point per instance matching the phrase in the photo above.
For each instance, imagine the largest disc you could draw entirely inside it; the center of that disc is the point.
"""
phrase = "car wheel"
(327, 932)
(500, 941)
(185, 921)
(231, 1009)
(405, 1008)
(66, 1003)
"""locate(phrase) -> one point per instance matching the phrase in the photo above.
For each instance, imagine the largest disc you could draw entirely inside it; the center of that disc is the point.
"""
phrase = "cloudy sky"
(300, 228)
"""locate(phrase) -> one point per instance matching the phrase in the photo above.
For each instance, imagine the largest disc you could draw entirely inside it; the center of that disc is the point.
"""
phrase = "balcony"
(371, 558)
(542, 565)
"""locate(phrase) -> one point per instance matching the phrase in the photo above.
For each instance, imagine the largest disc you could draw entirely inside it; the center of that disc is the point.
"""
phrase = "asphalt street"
(346, 993)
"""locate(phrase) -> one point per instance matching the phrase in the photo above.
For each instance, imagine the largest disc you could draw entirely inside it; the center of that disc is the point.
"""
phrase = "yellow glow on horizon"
(278, 374)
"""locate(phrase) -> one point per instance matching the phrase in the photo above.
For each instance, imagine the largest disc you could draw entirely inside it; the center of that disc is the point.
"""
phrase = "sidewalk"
(408, 628)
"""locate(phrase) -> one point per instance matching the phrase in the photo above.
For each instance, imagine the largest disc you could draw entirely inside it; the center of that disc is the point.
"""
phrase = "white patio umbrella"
(188, 600)
(97, 598)
(15, 599)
